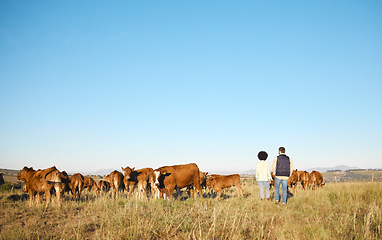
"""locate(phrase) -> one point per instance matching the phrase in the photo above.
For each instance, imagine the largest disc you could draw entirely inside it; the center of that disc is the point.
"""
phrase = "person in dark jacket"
(282, 168)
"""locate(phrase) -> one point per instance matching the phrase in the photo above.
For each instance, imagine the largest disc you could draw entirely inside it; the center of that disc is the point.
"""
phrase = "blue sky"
(96, 85)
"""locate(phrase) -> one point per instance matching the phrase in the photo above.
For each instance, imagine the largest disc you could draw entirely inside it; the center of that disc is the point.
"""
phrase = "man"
(263, 174)
(282, 168)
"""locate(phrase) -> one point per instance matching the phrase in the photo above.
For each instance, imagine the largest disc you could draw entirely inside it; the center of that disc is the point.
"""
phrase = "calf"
(220, 182)
(316, 180)
(90, 184)
(139, 178)
(103, 186)
(42, 182)
(115, 179)
(293, 180)
(77, 183)
(303, 178)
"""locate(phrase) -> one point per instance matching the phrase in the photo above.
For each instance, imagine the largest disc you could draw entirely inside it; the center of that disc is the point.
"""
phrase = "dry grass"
(338, 211)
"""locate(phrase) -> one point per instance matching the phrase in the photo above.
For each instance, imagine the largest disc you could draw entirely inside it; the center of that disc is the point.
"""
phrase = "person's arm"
(274, 166)
(257, 171)
(268, 173)
(291, 166)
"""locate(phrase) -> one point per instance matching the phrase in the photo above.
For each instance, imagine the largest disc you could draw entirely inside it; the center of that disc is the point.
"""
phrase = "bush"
(7, 186)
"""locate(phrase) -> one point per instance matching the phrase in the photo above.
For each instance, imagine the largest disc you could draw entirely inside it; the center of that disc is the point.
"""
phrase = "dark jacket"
(283, 165)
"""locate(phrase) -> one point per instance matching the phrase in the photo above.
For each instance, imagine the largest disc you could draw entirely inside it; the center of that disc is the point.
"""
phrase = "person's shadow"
(289, 194)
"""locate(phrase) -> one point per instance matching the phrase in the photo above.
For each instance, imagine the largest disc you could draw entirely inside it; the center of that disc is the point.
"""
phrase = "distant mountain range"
(320, 169)
(339, 167)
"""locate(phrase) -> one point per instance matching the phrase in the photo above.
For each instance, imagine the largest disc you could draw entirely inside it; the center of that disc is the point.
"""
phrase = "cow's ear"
(123, 168)
(133, 169)
(167, 174)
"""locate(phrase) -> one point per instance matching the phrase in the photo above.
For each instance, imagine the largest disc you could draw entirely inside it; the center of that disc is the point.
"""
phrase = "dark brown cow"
(203, 179)
(139, 178)
(77, 183)
(316, 179)
(104, 186)
(293, 180)
(129, 184)
(42, 181)
(90, 184)
(115, 179)
(303, 178)
(167, 178)
(1, 179)
(220, 182)
(66, 183)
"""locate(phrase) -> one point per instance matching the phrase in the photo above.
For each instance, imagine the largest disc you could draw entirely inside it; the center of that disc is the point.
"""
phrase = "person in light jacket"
(263, 175)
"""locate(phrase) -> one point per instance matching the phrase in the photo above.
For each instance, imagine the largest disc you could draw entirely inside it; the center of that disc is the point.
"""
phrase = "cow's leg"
(139, 187)
(239, 190)
(47, 195)
(192, 192)
(31, 198)
(142, 189)
(171, 192)
(79, 192)
(58, 194)
(131, 187)
(219, 192)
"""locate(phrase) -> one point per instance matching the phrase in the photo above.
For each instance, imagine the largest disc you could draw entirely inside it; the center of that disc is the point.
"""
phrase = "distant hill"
(104, 172)
(325, 169)
(320, 169)
(9, 171)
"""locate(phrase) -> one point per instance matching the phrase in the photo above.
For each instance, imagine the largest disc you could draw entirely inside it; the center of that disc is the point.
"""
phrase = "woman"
(263, 174)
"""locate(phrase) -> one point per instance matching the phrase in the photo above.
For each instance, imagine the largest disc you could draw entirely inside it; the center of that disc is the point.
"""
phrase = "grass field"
(338, 211)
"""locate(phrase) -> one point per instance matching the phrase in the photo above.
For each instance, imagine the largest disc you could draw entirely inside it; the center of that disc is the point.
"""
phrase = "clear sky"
(89, 85)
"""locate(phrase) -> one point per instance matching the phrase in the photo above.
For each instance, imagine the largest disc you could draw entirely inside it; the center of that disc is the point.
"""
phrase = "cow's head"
(203, 178)
(159, 177)
(210, 182)
(127, 170)
(23, 173)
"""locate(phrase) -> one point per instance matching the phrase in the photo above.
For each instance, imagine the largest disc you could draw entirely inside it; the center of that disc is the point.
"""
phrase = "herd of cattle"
(158, 183)
(312, 180)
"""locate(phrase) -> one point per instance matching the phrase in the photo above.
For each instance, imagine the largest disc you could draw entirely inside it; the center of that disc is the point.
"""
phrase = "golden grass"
(338, 211)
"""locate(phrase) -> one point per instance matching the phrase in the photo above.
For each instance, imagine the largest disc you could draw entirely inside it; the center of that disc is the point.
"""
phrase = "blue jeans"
(262, 185)
(284, 185)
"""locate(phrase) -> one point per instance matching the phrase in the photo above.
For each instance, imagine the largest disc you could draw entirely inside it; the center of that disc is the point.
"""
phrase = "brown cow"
(203, 179)
(104, 186)
(303, 178)
(42, 181)
(66, 183)
(272, 182)
(293, 180)
(90, 184)
(220, 182)
(129, 185)
(316, 179)
(167, 178)
(115, 179)
(77, 183)
(139, 178)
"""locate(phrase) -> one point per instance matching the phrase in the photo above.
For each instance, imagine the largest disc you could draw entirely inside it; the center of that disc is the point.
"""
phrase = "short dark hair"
(282, 149)
(262, 155)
